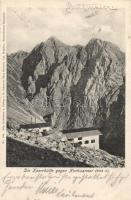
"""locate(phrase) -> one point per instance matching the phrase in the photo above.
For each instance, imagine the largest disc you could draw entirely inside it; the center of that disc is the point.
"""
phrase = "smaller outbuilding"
(36, 127)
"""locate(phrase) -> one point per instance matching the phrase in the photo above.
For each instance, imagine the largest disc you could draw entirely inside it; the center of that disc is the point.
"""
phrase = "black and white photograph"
(65, 87)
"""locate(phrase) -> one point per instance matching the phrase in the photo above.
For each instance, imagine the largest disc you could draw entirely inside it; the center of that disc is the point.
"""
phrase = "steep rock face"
(81, 85)
(113, 127)
(19, 109)
(14, 73)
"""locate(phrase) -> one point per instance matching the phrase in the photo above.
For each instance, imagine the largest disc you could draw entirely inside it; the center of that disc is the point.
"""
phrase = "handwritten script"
(72, 6)
(55, 182)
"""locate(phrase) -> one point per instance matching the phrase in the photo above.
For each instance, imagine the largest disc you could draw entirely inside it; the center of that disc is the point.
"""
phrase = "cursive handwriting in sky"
(30, 26)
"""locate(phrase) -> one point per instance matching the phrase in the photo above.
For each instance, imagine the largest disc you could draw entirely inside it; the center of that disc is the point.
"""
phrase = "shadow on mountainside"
(20, 154)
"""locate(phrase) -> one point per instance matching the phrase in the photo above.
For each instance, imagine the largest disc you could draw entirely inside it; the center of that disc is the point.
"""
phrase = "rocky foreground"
(26, 149)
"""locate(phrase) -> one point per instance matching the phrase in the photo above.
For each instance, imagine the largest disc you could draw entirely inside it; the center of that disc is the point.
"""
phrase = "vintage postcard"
(65, 100)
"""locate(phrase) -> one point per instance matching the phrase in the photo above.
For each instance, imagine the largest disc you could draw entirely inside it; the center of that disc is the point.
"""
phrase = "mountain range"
(81, 86)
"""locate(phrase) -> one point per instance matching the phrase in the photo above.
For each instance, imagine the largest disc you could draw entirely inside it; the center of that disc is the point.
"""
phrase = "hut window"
(79, 143)
(87, 142)
(79, 138)
(70, 139)
(92, 141)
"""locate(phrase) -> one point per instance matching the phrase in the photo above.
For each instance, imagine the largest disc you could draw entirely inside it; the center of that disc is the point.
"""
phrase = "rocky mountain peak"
(52, 42)
(95, 41)
(54, 39)
(19, 53)
(97, 47)
(18, 56)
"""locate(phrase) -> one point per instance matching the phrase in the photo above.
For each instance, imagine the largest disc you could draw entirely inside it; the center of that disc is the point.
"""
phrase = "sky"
(30, 26)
